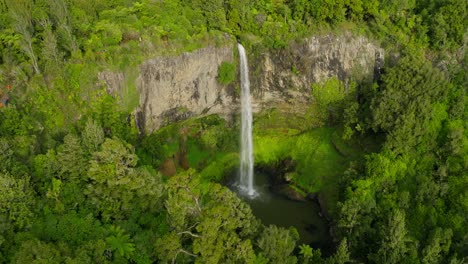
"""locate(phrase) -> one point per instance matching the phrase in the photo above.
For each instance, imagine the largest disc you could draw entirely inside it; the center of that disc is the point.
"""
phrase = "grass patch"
(322, 170)
(130, 97)
(276, 121)
(196, 154)
(220, 166)
(321, 156)
(270, 149)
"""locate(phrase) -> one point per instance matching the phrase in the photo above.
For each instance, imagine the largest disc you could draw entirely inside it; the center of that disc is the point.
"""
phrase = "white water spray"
(247, 160)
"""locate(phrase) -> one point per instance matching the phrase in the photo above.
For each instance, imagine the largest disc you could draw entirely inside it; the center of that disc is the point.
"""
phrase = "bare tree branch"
(182, 251)
(188, 233)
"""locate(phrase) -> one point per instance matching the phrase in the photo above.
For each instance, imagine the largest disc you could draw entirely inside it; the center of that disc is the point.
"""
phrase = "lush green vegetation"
(80, 184)
(226, 73)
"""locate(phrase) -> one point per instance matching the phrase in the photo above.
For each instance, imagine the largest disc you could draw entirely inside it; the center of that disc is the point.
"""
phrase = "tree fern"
(120, 242)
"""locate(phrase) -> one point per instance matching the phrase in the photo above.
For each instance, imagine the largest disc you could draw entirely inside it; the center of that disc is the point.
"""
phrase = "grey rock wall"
(287, 75)
(176, 88)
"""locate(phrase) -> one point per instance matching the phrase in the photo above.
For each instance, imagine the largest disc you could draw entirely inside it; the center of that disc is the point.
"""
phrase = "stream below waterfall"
(273, 208)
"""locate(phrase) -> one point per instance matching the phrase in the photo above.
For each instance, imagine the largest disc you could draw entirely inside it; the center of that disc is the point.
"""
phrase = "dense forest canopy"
(80, 184)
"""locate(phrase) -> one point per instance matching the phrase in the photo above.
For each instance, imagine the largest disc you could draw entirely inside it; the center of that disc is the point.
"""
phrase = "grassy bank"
(320, 154)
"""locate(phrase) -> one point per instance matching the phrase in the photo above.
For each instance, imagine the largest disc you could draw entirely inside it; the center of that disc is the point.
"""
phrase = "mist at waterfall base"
(266, 205)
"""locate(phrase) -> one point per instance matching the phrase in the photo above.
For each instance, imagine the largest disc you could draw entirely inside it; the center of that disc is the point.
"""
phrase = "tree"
(61, 15)
(120, 242)
(113, 121)
(37, 252)
(448, 24)
(225, 230)
(116, 187)
(329, 11)
(21, 13)
(93, 251)
(310, 255)
(51, 58)
(439, 243)
(92, 136)
(169, 248)
(69, 227)
(278, 243)
(403, 107)
(300, 9)
(214, 13)
(16, 200)
(7, 160)
(356, 211)
(341, 255)
(393, 246)
(13, 122)
(209, 223)
(238, 14)
(71, 158)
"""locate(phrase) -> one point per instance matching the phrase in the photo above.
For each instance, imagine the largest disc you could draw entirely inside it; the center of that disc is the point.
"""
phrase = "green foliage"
(320, 157)
(404, 203)
(36, 251)
(116, 182)
(270, 149)
(409, 92)
(92, 136)
(120, 242)
(306, 251)
(71, 158)
(114, 122)
(212, 221)
(71, 228)
(226, 73)
(278, 243)
(404, 186)
(328, 98)
(16, 201)
(219, 168)
(393, 248)
(14, 122)
(342, 254)
(439, 243)
(448, 24)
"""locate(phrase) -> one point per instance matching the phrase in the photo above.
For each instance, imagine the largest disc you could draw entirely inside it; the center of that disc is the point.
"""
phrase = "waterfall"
(246, 159)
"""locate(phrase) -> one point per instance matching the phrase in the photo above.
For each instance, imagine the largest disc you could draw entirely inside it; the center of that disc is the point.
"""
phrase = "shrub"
(226, 73)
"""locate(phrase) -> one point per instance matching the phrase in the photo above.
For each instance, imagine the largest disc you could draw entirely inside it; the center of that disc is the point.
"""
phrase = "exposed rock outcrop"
(176, 88)
(113, 80)
(287, 75)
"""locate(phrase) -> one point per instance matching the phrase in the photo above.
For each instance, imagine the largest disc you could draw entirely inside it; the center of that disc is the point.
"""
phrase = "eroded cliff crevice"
(180, 87)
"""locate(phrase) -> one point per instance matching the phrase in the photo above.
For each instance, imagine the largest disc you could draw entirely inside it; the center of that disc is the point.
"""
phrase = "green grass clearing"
(321, 156)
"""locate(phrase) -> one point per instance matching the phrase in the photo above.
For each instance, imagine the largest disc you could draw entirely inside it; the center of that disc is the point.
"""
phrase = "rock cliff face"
(176, 88)
(287, 75)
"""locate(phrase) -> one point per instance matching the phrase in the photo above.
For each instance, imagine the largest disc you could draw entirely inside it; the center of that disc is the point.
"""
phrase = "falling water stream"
(247, 161)
(268, 206)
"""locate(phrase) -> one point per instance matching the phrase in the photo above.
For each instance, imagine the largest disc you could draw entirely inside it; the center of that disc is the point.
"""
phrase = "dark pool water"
(272, 208)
